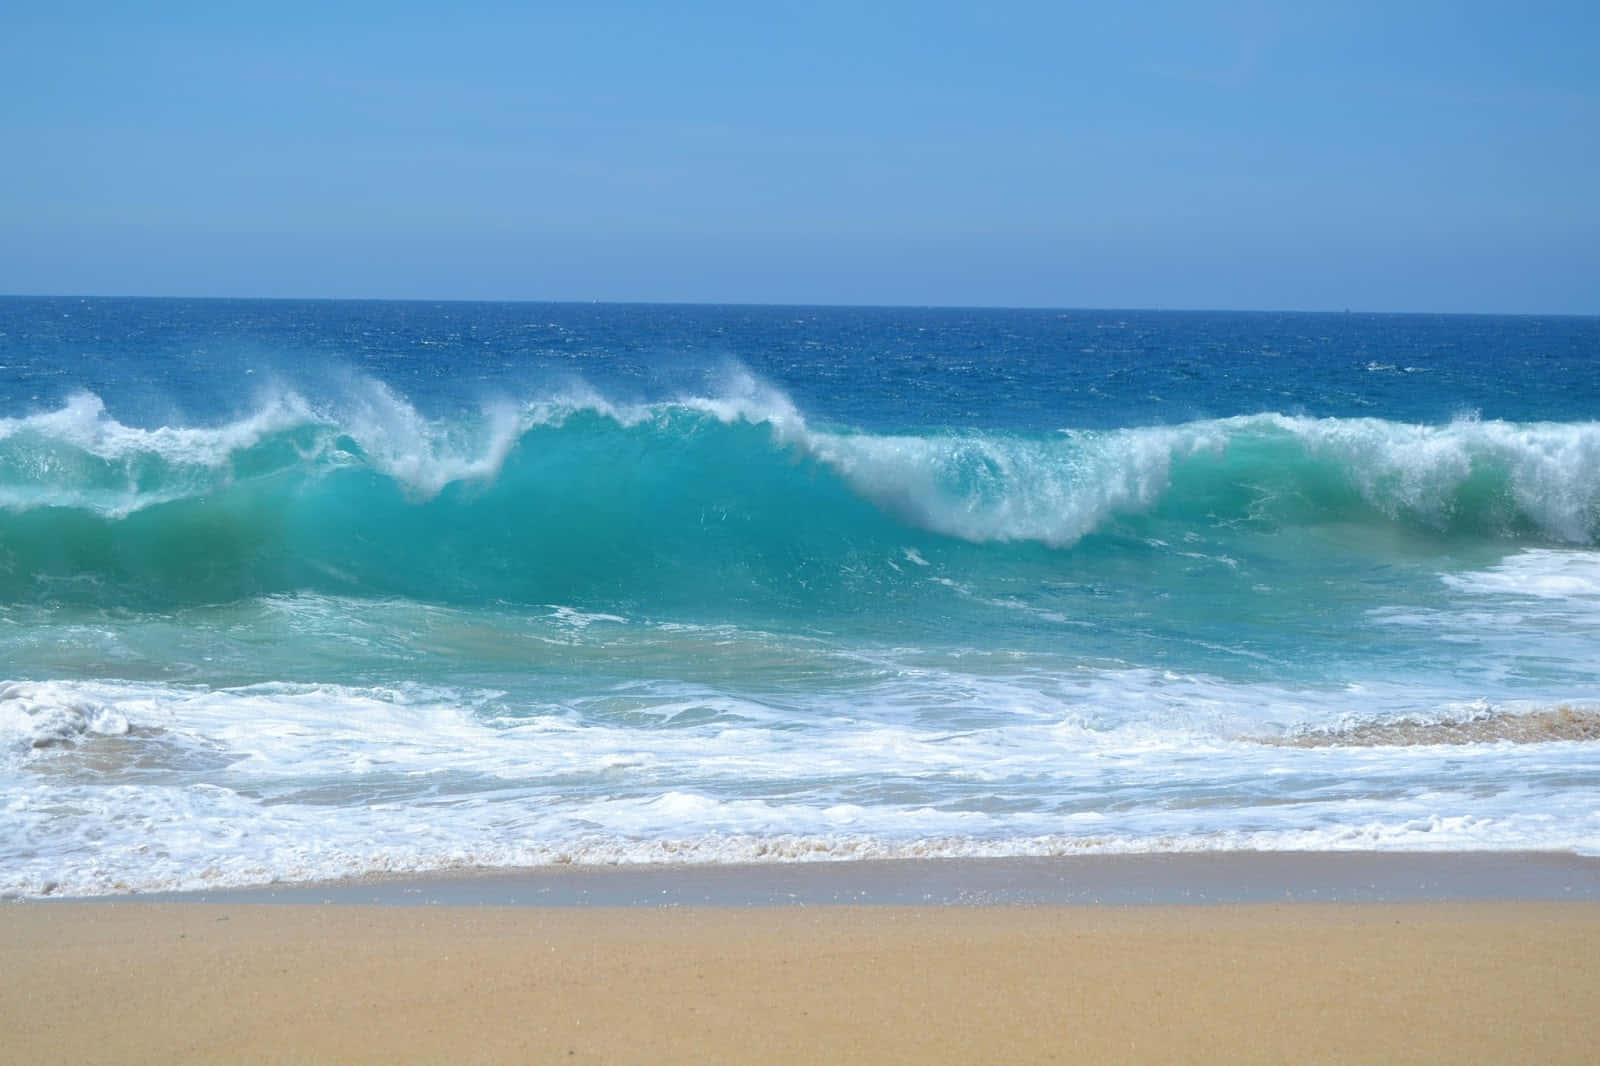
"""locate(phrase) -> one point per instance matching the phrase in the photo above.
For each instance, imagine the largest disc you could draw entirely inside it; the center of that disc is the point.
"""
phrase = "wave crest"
(1546, 473)
(573, 491)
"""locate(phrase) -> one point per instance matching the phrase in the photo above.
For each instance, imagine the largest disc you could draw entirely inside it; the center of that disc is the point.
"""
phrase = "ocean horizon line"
(799, 305)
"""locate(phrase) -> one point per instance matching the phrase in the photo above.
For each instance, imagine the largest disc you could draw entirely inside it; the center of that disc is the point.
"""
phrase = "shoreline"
(1223, 877)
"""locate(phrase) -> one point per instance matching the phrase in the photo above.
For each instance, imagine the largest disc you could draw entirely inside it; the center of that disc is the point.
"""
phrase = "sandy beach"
(1450, 981)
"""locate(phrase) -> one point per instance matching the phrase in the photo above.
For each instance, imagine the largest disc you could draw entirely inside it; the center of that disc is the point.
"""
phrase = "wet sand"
(1464, 981)
(1192, 877)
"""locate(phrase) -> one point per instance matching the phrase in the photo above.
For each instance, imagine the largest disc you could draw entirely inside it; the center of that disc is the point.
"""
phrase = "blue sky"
(1397, 156)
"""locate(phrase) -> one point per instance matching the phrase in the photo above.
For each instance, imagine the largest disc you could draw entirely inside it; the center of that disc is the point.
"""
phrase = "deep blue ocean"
(301, 590)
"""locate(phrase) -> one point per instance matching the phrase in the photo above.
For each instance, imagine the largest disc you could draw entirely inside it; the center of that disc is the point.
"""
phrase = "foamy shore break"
(1490, 971)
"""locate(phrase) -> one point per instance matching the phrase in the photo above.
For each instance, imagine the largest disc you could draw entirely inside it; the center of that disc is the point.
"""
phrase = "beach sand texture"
(1380, 983)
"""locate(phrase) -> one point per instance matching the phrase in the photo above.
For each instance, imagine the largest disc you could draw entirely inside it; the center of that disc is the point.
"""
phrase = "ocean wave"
(337, 493)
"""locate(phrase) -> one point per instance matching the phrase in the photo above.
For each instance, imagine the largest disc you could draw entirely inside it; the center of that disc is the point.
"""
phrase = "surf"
(573, 497)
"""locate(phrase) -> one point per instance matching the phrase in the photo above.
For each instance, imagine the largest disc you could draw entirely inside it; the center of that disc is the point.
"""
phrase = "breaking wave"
(572, 497)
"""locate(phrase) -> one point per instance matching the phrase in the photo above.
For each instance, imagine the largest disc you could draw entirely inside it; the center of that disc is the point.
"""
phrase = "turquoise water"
(299, 590)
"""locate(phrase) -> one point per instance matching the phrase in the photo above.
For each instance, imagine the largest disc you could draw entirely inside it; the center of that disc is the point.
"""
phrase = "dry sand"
(1381, 983)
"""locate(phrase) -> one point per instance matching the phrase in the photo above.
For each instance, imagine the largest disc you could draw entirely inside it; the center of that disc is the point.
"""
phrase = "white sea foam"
(1552, 470)
(82, 422)
(420, 453)
(983, 487)
(742, 397)
(226, 840)
(38, 714)
(1534, 614)
(1538, 573)
(213, 787)
(81, 456)
(979, 487)
(143, 467)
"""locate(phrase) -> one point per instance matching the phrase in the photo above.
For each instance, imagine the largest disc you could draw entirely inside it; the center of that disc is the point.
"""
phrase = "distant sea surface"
(305, 590)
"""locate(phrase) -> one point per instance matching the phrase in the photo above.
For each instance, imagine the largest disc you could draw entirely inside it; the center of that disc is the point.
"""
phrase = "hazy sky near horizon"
(1376, 156)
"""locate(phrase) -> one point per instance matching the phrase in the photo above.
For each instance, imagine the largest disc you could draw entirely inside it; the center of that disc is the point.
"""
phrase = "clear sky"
(1376, 156)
